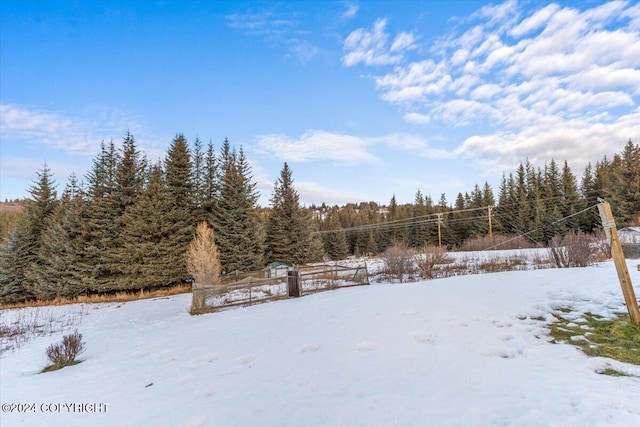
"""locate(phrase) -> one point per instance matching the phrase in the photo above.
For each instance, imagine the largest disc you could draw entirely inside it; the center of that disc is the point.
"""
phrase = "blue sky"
(364, 100)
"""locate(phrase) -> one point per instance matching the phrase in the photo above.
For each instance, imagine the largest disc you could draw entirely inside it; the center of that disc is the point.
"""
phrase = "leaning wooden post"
(609, 225)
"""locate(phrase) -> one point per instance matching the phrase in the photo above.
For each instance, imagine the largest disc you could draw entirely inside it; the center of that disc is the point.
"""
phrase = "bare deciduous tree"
(203, 260)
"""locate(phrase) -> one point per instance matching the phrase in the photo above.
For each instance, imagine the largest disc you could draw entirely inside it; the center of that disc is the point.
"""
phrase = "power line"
(540, 228)
(433, 218)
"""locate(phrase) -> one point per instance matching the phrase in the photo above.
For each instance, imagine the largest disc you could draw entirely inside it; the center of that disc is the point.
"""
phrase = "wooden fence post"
(609, 225)
(293, 283)
(197, 298)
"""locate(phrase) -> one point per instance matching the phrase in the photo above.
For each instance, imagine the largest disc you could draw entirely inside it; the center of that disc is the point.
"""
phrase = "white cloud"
(528, 82)
(417, 118)
(371, 47)
(70, 135)
(313, 193)
(317, 145)
(403, 41)
(20, 123)
(73, 135)
(535, 21)
(352, 10)
(559, 139)
(278, 28)
(26, 168)
(485, 91)
(415, 82)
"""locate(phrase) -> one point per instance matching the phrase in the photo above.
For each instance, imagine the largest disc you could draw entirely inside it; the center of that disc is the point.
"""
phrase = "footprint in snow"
(247, 360)
(209, 357)
(422, 338)
(310, 348)
(365, 346)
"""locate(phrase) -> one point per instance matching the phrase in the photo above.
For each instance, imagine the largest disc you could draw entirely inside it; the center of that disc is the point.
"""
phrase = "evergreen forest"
(127, 224)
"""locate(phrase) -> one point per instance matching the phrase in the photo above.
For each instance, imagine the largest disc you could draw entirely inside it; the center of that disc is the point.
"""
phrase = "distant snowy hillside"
(462, 351)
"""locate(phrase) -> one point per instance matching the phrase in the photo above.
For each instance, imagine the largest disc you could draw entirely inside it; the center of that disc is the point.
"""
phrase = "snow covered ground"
(463, 351)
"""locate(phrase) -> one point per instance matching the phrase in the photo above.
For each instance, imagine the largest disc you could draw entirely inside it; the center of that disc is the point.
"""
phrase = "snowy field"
(462, 351)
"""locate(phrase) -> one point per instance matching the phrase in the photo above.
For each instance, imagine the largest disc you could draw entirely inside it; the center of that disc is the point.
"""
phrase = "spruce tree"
(19, 256)
(570, 203)
(198, 174)
(151, 256)
(210, 185)
(15, 254)
(61, 266)
(288, 234)
(419, 233)
(624, 185)
(100, 218)
(335, 242)
(238, 232)
(129, 177)
(589, 220)
(179, 178)
(180, 215)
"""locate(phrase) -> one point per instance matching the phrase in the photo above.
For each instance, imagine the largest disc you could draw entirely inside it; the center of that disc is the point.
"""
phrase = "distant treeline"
(126, 227)
(536, 203)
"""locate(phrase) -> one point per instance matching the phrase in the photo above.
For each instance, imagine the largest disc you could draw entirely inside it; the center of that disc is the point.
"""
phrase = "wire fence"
(249, 288)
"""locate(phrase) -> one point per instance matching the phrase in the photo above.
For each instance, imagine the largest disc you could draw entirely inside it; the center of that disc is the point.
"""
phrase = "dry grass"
(102, 298)
(498, 241)
(19, 327)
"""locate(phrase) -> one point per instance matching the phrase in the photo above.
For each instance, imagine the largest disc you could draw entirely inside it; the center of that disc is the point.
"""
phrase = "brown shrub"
(573, 249)
(65, 353)
(399, 262)
(433, 258)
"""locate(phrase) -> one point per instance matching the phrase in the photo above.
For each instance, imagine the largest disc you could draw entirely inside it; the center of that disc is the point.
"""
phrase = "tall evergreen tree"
(624, 185)
(179, 179)
(129, 174)
(335, 243)
(61, 268)
(198, 173)
(15, 254)
(240, 238)
(589, 194)
(570, 202)
(180, 216)
(419, 233)
(151, 255)
(288, 235)
(100, 218)
(19, 256)
(210, 185)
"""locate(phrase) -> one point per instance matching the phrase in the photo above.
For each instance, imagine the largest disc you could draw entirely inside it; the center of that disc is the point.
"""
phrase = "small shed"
(277, 269)
(629, 235)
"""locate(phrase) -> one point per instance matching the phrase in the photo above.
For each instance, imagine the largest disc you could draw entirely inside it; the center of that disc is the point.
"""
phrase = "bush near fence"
(248, 288)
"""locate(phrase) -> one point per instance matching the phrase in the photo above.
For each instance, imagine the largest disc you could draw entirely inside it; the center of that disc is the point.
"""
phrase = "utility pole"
(609, 225)
(439, 231)
(490, 226)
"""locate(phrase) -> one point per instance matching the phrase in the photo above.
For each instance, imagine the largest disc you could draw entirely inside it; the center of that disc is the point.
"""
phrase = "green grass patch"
(55, 367)
(596, 336)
